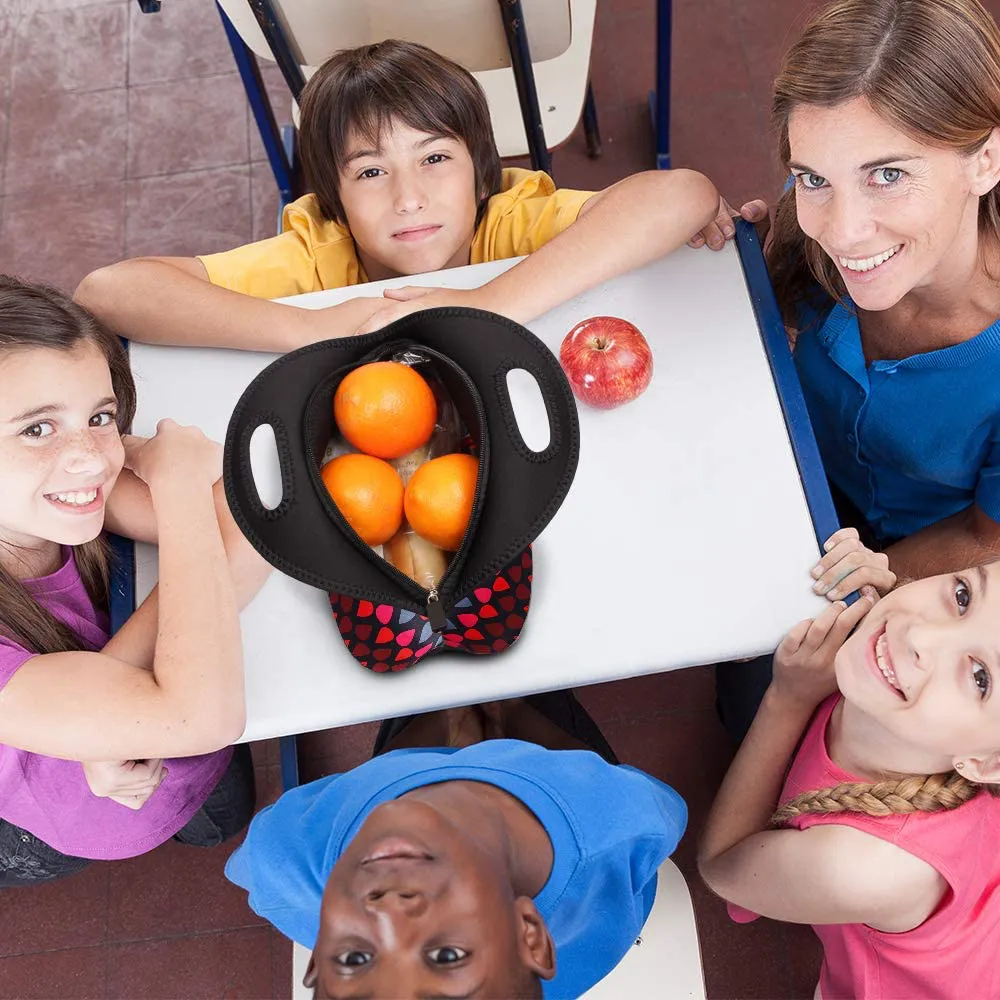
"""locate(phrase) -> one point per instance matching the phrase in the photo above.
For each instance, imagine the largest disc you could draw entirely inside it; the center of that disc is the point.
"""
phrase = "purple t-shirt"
(51, 798)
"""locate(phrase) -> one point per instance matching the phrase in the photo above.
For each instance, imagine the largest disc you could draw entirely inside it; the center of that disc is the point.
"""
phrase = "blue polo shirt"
(611, 827)
(911, 441)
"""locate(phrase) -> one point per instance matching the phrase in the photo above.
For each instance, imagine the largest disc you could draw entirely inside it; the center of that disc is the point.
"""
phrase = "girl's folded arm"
(828, 874)
(93, 706)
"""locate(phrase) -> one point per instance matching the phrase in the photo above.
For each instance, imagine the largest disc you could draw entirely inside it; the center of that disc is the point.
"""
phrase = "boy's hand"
(849, 566)
(413, 298)
(721, 228)
(803, 662)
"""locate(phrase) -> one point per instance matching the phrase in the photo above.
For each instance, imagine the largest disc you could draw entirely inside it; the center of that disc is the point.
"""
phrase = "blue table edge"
(786, 382)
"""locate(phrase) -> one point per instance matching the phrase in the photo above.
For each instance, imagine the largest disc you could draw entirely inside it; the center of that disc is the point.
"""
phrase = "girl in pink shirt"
(109, 745)
(886, 835)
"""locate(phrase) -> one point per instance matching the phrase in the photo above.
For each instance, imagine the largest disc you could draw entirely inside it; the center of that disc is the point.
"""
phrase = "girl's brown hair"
(33, 316)
(930, 68)
(361, 90)
(901, 794)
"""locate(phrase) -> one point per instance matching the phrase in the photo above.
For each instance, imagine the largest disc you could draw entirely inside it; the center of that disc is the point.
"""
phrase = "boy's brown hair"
(360, 90)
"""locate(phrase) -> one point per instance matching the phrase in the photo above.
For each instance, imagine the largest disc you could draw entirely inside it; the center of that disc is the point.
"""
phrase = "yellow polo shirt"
(313, 253)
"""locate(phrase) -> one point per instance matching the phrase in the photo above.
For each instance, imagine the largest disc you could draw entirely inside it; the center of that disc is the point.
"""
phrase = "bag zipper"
(430, 601)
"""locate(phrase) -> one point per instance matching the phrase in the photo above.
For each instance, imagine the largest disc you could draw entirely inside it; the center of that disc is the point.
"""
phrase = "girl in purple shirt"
(109, 746)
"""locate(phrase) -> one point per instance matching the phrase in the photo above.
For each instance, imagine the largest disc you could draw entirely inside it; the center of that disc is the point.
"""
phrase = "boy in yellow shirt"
(398, 150)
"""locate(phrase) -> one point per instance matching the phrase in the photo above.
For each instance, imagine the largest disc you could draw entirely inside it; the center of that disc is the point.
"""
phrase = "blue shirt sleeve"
(988, 486)
(281, 866)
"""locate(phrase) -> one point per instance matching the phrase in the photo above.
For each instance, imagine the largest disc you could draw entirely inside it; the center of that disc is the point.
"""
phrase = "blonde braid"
(893, 796)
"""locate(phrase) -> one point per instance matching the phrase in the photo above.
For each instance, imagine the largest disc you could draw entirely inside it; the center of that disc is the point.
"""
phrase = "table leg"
(660, 98)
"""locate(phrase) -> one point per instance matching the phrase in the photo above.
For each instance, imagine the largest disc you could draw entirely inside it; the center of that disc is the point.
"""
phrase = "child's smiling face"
(925, 665)
(410, 201)
(60, 450)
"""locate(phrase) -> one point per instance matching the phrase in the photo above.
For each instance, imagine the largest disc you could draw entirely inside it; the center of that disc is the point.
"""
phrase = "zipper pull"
(435, 613)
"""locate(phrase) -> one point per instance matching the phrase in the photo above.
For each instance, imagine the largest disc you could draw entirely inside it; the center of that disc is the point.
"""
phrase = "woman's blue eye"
(963, 596)
(39, 430)
(446, 955)
(885, 176)
(353, 959)
(811, 181)
(981, 678)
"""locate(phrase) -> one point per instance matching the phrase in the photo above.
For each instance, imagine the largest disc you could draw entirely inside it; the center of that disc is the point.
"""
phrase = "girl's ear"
(985, 165)
(981, 770)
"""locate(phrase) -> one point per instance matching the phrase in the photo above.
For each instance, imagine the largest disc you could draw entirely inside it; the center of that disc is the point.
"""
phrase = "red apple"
(607, 361)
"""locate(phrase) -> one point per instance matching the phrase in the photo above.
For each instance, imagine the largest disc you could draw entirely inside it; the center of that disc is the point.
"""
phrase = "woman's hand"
(722, 228)
(848, 566)
(803, 662)
(128, 782)
(175, 453)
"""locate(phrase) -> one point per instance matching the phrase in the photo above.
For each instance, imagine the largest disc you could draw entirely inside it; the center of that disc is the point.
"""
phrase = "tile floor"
(124, 134)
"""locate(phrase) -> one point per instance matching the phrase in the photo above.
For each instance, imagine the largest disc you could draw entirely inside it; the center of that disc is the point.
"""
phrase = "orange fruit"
(385, 409)
(438, 499)
(368, 492)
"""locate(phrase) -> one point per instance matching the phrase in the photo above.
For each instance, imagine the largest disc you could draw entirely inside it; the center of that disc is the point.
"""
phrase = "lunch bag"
(387, 621)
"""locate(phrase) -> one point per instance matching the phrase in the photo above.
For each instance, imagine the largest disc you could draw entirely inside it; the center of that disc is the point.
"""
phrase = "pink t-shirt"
(50, 797)
(952, 954)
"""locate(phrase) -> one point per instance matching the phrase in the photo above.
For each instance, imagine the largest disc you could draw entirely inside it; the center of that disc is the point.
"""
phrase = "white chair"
(664, 962)
(303, 33)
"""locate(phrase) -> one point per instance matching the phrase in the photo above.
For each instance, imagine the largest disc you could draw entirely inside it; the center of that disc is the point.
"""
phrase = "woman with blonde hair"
(885, 257)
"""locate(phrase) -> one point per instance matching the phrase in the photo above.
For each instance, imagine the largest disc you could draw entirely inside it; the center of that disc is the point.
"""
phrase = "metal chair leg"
(282, 165)
(590, 126)
(524, 77)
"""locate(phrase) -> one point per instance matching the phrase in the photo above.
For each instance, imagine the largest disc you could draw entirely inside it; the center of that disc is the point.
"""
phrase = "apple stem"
(601, 344)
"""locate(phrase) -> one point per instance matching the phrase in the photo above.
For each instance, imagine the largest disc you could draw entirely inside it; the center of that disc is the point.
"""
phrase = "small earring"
(959, 766)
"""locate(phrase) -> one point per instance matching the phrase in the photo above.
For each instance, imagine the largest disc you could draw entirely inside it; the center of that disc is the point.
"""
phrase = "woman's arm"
(104, 706)
(169, 300)
(968, 538)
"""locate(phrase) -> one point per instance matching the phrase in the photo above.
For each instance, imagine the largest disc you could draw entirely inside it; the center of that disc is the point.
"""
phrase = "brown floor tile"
(154, 895)
(266, 751)
(80, 48)
(27, 6)
(281, 104)
(281, 966)
(235, 965)
(38, 243)
(268, 778)
(721, 137)
(336, 750)
(655, 694)
(65, 138)
(805, 954)
(6, 57)
(184, 214)
(183, 41)
(80, 973)
(67, 913)
(263, 200)
(186, 125)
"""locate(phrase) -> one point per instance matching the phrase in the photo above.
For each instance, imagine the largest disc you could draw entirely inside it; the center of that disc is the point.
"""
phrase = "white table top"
(685, 538)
